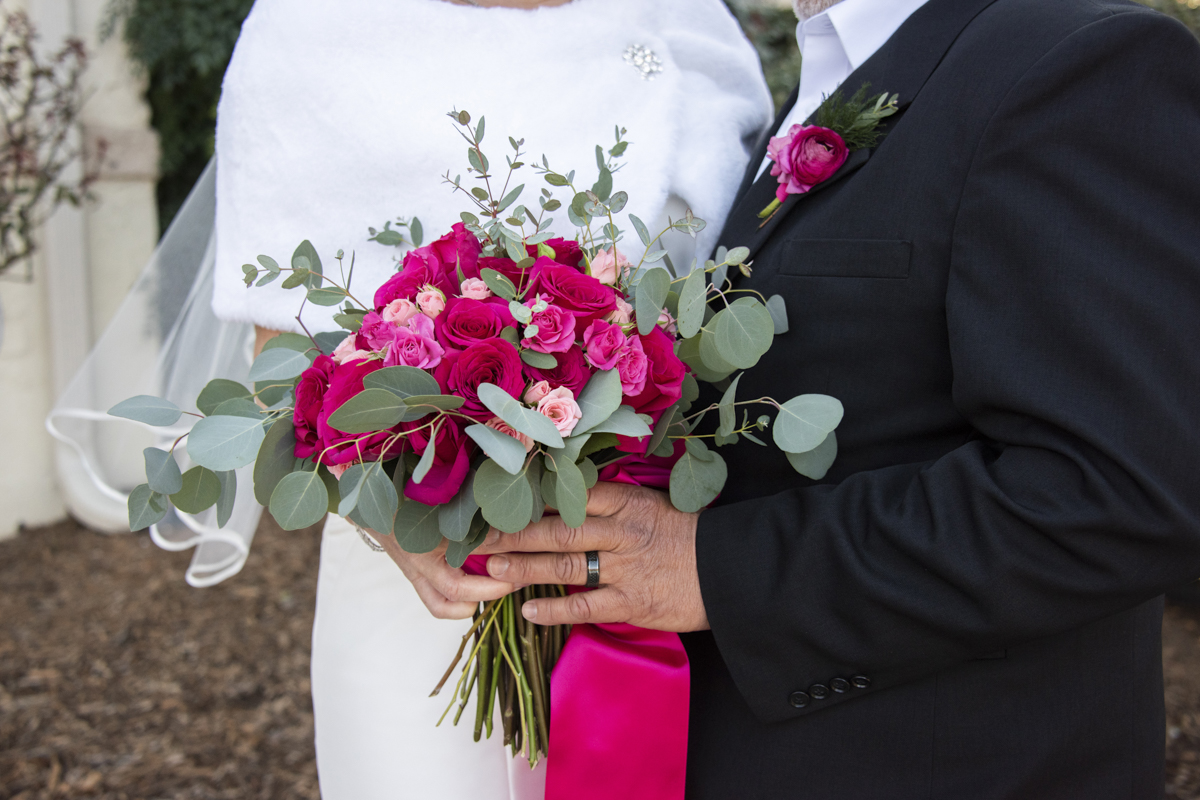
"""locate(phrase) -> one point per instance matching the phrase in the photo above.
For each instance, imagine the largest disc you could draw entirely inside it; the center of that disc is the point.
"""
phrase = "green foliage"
(184, 47)
(856, 120)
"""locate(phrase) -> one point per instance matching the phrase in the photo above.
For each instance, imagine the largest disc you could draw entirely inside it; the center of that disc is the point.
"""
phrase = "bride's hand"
(447, 592)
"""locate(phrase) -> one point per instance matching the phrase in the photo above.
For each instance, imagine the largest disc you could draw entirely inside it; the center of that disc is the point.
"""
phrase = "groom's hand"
(647, 562)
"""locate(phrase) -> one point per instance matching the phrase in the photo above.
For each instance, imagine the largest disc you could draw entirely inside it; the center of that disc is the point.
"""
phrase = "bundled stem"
(509, 666)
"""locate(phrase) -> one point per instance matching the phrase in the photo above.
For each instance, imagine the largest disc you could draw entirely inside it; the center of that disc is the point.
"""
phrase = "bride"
(332, 121)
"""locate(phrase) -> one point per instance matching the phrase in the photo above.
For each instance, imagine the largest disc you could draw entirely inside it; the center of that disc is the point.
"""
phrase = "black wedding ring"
(593, 568)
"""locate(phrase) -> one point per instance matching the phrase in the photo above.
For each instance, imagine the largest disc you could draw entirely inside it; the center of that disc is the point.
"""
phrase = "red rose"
(572, 371)
(584, 296)
(451, 461)
(310, 393)
(566, 251)
(664, 384)
(466, 322)
(436, 264)
(804, 157)
(345, 382)
(493, 361)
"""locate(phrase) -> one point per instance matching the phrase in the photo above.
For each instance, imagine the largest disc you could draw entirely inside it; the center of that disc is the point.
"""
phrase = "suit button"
(819, 691)
(860, 681)
(840, 685)
(799, 699)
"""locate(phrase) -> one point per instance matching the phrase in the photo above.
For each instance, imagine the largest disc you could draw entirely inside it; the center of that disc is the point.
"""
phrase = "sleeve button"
(860, 681)
(819, 691)
(839, 685)
(799, 699)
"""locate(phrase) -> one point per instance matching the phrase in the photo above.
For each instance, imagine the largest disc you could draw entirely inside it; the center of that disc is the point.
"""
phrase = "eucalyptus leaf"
(369, 410)
(571, 447)
(162, 471)
(331, 489)
(416, 232)
(591, 475)
(779, 316)
(327, 341)
(506, 500)
(597, 442)
(803, 422)
(691, 393)
(279, 364)
(377, 500)
(815, 463)
(403, 382)
(549, 486)
(599, 399)
(570, 494)
(276, 459)
(426, 462)
(289, 341)
(696, 481)
(500, 285)
(743, 332)
(712, 357)
(534, 476)
(727, 409)
(350, 485)
(500, 447)
(305, 257)
(326, 296)
(534, 425)
(642, 232)
(455, 517)
(624, 422)
(200, 490)
(149, 410)
(228, 480)
(218, 391)
(224, 443)
(539, 360)
(416, 527)
(661, 429)
(239, 407)
(457, 552)
(434, 402)
(737, 255)
(720, 275)
(300, 500)
(692, 299)
(146, 508)
(604, 184)
(649, 297)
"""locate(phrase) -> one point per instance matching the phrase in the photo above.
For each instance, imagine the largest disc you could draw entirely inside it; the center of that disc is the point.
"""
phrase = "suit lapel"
(901, 66)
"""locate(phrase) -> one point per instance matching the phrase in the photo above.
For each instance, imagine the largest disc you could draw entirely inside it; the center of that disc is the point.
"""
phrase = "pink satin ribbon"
(618, 698)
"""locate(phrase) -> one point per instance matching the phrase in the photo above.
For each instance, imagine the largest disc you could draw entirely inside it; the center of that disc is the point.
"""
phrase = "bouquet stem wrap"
(618, 698)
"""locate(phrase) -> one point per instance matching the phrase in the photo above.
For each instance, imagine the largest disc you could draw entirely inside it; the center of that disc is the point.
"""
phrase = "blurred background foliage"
(185, 45)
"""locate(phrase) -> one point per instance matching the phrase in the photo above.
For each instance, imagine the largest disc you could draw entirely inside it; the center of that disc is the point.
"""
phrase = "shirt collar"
(862, 26)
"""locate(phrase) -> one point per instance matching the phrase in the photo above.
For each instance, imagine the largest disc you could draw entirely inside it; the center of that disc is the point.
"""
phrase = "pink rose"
(451, 461)
(804, 157)
(414, 345)
(555, 328)
(623, 315)
(604, 344)
(399, 311)
(568, 288)
(535, 393)
(609, 265)
(561, 409)
(493, 361)
(500, 426)
(633, 367)
(572, 371)
(467, 322)
(348, 350)
(475, 289)
(338, 470)
(431, 300)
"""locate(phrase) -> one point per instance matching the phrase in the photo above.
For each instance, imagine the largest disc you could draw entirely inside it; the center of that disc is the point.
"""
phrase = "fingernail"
(529, 611)
(497, 566)
(492, 537)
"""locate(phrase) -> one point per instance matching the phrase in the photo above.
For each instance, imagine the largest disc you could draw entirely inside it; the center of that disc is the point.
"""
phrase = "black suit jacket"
(1005, 295)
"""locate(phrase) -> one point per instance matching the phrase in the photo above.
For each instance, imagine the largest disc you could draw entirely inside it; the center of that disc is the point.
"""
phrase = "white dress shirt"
(836, 42)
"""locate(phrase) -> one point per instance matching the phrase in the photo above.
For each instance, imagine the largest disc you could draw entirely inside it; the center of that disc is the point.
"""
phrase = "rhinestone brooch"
(644, 60)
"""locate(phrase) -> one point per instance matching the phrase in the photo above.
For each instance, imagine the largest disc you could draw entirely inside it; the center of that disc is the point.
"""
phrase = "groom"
(1005, 295)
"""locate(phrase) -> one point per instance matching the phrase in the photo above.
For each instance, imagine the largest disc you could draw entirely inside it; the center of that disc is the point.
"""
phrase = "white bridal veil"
(164, 341)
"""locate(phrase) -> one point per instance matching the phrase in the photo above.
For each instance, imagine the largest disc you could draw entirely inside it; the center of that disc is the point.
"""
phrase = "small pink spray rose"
(535, 393)
(431, 300)
(500, 426)
(475, 289)
(610, 264)
(561, 409)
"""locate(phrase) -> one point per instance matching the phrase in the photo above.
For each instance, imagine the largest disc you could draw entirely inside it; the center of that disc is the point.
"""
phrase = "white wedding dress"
(332, 120)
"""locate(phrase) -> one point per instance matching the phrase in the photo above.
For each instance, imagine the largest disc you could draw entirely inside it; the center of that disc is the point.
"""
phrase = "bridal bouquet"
(496, 377)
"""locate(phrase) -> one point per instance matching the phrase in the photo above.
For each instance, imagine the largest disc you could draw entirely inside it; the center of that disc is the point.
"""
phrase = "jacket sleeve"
(1073, 307)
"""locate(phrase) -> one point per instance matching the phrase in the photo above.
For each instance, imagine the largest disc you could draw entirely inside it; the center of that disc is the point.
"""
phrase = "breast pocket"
(846, 258)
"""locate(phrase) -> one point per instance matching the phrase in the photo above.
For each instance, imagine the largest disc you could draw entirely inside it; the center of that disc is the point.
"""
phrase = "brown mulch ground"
(118, 681)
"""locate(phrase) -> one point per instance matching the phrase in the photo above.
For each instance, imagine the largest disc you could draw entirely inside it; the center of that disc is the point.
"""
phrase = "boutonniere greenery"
(810, 154)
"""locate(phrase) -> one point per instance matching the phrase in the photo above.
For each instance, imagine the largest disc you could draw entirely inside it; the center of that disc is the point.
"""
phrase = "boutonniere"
(810, 154)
